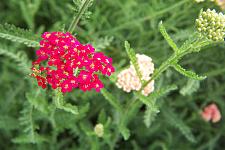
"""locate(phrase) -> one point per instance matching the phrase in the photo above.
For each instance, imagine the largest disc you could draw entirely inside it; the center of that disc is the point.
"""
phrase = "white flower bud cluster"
(199, 1)
(128, 79)
(99, 130)
(211, 24)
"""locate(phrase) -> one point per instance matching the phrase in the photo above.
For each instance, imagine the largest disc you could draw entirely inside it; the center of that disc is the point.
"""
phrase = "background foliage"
(32, 118)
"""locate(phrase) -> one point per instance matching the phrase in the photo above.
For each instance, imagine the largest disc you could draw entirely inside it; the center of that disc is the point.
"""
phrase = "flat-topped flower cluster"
(128, 79)
(63, 62)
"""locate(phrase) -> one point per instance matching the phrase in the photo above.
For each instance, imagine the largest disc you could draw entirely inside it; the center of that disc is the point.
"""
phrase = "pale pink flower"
(211, 112)
(128, 79)
(220, 3)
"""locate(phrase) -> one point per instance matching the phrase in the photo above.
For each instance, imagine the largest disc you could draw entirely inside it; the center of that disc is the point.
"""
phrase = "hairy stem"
(78, 16)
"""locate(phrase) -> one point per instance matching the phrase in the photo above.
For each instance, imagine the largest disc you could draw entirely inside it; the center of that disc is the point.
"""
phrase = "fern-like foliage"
(168, 38)
(78, 6)
(150, 114)
(36, 98)
(111, 99)
(175, 121)
(191, 87)
(29, 9)
(29, 133)
(81, 11)
(128, 114)
(152, 108)
(149, 101)
(12, 33)
(133, 59)
(188, 74)
(61, 104)
(102, 43)
(19, 57)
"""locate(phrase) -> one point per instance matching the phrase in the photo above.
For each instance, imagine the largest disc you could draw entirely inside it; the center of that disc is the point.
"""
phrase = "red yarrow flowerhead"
(63, 62)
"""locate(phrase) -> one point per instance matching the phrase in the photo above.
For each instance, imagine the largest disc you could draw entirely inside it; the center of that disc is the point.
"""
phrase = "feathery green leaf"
(19, 57)
(191, 87)
(61, 104)
(12, 33)
(131, 54)
(168, 38)
(175, 121)
(188, 74)
(111, 99)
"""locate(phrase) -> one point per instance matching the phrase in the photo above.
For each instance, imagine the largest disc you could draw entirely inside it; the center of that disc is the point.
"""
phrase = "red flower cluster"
(63, 62)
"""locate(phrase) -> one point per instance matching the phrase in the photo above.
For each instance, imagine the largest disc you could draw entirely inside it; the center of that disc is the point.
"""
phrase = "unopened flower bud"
(211, 24)
(99, 130)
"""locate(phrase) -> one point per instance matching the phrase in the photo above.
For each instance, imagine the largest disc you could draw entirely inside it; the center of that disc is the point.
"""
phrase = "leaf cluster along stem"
(78, 16)
(175, 57)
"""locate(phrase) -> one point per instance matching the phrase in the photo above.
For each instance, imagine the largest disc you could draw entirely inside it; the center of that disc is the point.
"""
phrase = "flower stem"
(78, 16)
(161, 69)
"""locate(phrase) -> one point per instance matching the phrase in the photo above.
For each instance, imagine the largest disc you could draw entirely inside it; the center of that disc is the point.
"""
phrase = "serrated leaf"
(20, 57)
(61, 104)
(102, 43)
(125, 132)
(25, 139)
(175, 121)
(131, 54)
(38, 101)
(111, 99)
(169, 40)
(12, 33)
(150, 115)
(127, 116)
(102, 117)
(26, 120)
(150, 100)
(70, 108)
(188, 74)
(191, 87)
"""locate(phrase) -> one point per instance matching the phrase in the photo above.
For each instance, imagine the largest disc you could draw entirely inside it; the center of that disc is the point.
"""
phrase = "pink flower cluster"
(211, 112)
(128, 79)
(63, 62)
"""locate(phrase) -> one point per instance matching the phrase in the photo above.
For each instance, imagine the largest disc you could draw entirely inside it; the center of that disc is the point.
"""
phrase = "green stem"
(78, 16)
(172, 59)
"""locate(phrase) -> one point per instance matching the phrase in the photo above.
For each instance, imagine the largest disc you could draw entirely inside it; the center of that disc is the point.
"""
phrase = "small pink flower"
(211, 112)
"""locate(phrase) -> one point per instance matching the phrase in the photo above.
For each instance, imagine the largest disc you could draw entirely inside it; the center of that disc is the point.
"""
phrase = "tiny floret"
(211, 24)
(128, 79)
(63, 62)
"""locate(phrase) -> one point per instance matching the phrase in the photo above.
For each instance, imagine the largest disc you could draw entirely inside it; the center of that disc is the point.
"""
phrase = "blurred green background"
(178, 126)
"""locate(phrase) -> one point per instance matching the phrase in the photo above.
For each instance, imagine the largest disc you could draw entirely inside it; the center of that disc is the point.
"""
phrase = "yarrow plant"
(63, 62)
(56, 119)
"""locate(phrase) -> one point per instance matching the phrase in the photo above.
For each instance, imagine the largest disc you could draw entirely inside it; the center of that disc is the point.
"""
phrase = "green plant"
(112, 119)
